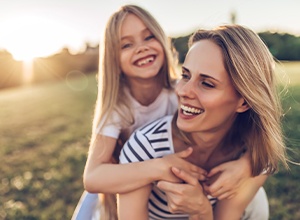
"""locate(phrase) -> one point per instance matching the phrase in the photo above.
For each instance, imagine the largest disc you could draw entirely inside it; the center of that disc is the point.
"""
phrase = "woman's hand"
(179, 160)
(227, 178)
(187, 197)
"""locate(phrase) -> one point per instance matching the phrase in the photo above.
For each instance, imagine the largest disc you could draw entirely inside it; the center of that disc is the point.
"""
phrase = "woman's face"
(141, 55)
(208, 102)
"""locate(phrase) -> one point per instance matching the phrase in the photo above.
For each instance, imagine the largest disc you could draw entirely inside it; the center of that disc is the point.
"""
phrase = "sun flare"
(29, 37)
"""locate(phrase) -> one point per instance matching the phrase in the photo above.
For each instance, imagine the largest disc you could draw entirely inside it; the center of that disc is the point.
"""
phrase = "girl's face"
(208, 102)
(141, 55)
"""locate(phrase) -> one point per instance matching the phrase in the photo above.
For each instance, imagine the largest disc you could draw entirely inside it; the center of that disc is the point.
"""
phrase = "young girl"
(136, 79)
(228, 104)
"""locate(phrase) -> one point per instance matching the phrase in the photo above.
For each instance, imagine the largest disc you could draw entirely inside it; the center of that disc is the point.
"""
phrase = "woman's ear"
(243, 106)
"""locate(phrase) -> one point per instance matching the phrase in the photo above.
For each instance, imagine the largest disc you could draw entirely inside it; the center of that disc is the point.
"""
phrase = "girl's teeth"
(145, 61)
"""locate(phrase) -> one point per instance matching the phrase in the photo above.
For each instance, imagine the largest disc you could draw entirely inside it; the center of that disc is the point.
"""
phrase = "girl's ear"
(243, 106)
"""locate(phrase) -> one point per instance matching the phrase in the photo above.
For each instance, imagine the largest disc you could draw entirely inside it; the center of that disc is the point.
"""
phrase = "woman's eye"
(184, 76)
(206, 84)
(149, 37)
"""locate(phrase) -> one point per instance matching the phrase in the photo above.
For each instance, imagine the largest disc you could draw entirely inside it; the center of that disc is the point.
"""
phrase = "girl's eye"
(207, 84)
(149, 37)
(124, 46)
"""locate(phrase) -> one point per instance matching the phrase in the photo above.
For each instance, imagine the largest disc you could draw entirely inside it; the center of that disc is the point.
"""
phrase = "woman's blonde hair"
(250, 66)
(111, 96)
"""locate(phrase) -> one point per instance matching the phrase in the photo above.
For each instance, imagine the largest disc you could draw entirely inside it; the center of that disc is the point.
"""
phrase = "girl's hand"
(179, 160)
(228, 177)
(187, 197)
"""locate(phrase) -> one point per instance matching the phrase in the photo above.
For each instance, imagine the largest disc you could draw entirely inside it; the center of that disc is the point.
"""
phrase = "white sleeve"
(137, 148)
(112, 127)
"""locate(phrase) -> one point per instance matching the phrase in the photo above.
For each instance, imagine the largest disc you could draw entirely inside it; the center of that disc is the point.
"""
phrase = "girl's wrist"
(154, 168)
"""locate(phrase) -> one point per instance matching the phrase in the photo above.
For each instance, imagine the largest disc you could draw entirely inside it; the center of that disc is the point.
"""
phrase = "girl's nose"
(142, 48)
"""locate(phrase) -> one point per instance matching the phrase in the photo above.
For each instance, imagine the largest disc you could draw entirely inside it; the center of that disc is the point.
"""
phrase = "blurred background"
(49, 53)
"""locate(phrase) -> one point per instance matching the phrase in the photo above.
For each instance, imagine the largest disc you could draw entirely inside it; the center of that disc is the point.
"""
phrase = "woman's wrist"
(205, 213)
(202, 216)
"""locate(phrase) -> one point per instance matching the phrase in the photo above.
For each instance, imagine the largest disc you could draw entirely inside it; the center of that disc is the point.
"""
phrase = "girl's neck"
(145, 92)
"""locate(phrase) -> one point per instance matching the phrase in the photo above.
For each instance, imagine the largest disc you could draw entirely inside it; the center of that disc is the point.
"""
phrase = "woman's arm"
(233, 208)
(187, 197)
(134, 205)
(101, 176)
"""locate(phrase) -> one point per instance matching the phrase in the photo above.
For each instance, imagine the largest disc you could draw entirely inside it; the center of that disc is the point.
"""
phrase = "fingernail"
(175, 169)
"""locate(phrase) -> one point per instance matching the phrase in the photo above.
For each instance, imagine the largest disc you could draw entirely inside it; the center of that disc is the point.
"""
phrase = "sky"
(32, 28)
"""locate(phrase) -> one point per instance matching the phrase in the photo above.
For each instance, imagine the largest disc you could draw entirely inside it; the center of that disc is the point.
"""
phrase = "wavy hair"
(250, 66)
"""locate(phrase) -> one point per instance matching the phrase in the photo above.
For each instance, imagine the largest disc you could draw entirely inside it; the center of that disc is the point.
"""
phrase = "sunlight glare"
(28, 37)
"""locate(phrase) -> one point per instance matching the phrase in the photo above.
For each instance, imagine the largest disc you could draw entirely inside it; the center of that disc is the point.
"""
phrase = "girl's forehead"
(132, 25)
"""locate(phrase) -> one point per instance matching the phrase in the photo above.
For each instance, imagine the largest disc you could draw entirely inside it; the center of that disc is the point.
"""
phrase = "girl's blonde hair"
(111, 96)
(250, 66)
(110, 77)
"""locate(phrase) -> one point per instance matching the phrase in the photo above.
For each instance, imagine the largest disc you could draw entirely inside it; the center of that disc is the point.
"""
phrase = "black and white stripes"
(152, 141)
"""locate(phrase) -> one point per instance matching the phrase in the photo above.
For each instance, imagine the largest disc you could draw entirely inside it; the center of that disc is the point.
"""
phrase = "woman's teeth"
(191, 111)
(145, 61)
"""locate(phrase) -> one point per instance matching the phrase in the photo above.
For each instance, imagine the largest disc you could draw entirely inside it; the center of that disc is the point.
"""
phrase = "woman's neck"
(207, 150)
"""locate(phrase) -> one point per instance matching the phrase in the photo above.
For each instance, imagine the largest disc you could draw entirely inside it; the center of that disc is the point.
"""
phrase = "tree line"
(283, 46)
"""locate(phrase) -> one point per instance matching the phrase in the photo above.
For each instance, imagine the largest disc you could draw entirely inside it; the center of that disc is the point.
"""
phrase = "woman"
(227, 97)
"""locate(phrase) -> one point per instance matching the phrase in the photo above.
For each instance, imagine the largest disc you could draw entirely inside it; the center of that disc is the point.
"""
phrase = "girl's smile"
(141, 54)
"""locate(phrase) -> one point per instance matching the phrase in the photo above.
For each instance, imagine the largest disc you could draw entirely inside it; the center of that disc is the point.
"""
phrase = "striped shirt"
(153, 141)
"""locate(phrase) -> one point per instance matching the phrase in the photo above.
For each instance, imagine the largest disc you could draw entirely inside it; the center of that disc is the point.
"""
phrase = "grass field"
(45, 130)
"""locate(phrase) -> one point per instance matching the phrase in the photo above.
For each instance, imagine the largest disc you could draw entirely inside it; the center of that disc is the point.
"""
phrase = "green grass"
(289, 72)
(45, 131)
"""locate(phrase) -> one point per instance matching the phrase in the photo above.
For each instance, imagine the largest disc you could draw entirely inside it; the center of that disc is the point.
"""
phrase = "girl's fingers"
(184, 176)
(212, 189)
(166, 186)
(226, 195)
(215, 170)
(185, 153)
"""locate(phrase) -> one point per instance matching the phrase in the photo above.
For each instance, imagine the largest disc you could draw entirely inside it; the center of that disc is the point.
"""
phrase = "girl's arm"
(234, 208)
(101, 176)
(232, 174)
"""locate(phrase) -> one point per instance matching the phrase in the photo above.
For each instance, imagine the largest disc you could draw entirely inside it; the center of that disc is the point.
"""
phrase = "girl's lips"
(145, 60)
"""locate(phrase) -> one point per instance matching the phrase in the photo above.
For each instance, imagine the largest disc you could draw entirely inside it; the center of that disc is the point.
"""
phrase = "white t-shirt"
(165, 104)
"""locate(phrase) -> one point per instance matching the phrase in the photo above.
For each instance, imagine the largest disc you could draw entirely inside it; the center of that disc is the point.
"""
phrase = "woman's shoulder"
(148, 142)
(157, 126)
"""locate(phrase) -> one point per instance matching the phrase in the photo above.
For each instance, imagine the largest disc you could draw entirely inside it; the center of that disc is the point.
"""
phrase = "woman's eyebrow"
(207, 76)
(185, 69)
(200, 74)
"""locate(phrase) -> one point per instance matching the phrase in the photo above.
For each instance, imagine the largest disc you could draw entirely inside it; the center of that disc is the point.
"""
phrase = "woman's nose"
(185, 89)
